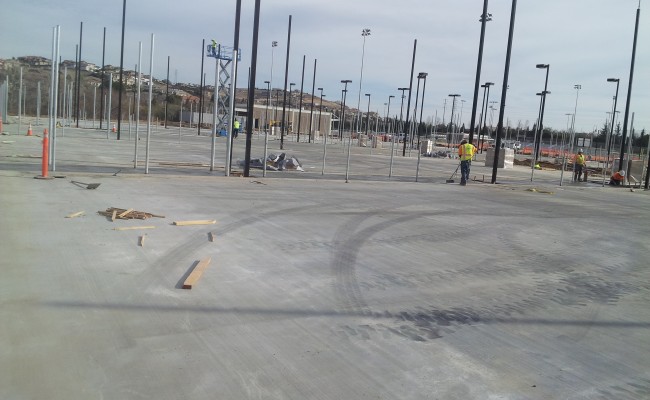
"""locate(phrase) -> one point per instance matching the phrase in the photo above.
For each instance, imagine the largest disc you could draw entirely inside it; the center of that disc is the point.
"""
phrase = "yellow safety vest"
(236, 125)
(467, 151)
(580, 159)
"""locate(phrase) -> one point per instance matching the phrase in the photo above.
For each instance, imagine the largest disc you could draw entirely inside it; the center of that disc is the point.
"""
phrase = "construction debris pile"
(276, 163)
(120, 213)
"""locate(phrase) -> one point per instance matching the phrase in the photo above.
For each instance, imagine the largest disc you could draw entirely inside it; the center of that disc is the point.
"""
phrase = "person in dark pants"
(235, 130)
(465, 152)
(580, 166)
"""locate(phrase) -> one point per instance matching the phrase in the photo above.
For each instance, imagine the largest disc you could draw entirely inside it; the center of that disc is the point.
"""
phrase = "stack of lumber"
(120, 213)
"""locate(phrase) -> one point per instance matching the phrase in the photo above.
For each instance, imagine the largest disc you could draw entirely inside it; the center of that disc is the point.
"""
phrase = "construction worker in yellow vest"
(235, 130)
(579, 164)
(466, 152)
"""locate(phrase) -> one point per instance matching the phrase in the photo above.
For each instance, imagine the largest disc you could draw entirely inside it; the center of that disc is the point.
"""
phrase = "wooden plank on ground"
(197, 222)
(125, 213)
(114, 215)
(196, 273)
(141, 241)
(75, 215)
(131, 228)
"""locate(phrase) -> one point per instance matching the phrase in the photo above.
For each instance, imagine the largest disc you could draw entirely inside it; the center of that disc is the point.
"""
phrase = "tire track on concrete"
(350, 241)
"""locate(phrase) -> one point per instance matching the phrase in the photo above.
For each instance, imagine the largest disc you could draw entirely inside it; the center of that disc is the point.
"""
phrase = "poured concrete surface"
(317, 289)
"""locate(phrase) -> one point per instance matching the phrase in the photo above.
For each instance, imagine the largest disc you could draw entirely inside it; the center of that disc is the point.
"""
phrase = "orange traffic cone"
(29, 130)
(114, 129)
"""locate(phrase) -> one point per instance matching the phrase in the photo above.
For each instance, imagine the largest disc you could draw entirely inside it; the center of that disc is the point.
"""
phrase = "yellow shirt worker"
(465, 152)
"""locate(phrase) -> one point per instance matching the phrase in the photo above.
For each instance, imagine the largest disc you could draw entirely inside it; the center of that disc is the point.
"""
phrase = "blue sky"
(584, 41)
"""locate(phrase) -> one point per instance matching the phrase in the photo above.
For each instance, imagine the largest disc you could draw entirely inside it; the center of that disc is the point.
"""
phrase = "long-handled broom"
(451, 178)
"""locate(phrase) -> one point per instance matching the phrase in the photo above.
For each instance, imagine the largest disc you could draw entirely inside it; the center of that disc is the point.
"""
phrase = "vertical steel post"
(146, 163)
(286, 81)
(408, 105)
(504, 92)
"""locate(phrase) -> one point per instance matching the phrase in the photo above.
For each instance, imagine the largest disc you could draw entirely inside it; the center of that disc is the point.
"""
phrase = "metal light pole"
(274, 44)
(484, 113)
(251, 89)
(629, 89)
(387, 128)
(342, 114)
(453, 106)
(368, 115)
(408, 104)
(302, 86)
(268, 102)
(415, 114)
(504, 91)
(611, 134)
(566, 137)
(320, 109)
(291, 85)
(345, 95)
(119, 101)
(286, 80)
(320, 117)
(422, 75)
(401, 110)
(547, 67)
(572, 136)
(364, 33)
(311, 111)
(485, 17)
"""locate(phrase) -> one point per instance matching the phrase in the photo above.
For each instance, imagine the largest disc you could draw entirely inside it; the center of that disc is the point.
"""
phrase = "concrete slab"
(378, 288)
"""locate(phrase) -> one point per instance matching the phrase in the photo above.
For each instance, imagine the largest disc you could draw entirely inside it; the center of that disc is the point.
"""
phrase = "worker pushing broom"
(466, 152)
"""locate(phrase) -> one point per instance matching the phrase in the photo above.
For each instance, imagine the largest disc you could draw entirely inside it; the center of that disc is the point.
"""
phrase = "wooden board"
(75, 215)
(198, 222)
(141, 240)
(130, 228)
(196, 273)
(125, 213)
(114, 215)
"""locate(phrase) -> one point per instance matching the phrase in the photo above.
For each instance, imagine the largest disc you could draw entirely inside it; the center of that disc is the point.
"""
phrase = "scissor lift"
(224, 55)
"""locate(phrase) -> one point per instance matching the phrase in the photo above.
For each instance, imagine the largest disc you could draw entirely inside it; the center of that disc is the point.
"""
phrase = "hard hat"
(622, 173)
(579, 151)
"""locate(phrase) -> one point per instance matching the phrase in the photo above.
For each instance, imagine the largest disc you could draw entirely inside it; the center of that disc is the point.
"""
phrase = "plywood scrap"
(133, 228)
(75, 215)
(196, 273)
(196, 222)
(114, 215)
